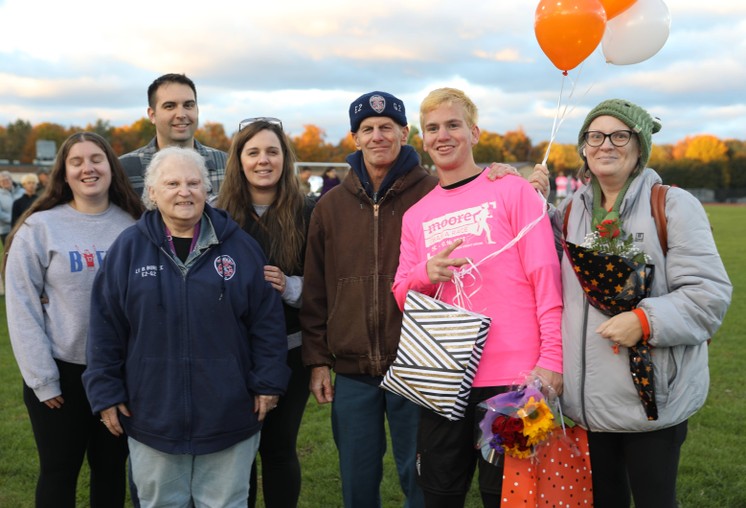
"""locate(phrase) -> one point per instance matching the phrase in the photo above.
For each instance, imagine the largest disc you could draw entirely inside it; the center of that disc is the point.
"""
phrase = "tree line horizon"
(698, 161)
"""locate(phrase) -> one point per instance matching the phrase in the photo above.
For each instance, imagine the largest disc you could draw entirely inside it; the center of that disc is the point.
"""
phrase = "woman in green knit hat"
(634, 447)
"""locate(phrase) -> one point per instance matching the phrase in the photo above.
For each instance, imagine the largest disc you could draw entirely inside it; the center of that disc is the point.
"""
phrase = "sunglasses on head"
(269, 119)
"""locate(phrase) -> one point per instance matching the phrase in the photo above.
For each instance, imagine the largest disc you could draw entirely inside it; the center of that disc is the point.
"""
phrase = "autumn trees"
(696, 161)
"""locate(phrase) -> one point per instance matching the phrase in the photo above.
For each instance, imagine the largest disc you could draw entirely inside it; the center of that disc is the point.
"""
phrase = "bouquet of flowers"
(515, 423)
(612, 271)
(608, 239)
(524, 427)
(615, 276)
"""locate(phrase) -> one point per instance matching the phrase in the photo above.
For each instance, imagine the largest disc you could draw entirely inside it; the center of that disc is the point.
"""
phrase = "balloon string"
(463, 299)
(561, 112)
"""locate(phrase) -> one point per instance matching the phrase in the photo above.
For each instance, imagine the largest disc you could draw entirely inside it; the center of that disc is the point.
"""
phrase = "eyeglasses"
(269, 119)
(617, 138)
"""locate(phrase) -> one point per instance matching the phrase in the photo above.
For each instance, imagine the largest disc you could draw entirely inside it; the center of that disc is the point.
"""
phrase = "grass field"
(713, 466)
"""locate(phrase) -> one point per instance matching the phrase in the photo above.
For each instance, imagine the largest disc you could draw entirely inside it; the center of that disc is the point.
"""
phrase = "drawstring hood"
(209, 325)
(215, 227)
(407, 160)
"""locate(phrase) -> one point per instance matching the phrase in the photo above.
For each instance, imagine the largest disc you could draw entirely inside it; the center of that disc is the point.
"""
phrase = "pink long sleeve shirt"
(519, 289)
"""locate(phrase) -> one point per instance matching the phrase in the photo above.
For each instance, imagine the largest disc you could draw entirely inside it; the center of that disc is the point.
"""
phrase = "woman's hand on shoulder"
(500, 169)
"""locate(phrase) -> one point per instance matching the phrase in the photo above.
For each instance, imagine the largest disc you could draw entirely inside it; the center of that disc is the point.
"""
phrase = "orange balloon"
(615, 7)
(569, 30)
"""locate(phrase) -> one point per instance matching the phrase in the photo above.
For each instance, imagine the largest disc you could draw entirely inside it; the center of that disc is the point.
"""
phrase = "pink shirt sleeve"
(412, 270)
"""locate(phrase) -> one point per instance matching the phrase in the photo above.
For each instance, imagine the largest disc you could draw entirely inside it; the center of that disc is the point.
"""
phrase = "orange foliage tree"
(127, 138)
(415, 140)
(518, 144)
(660, 154)
(46, 131)
(491, 148)
(562, 158)
(704, 148)
(345, 147)
(310, 145)
(213, 135)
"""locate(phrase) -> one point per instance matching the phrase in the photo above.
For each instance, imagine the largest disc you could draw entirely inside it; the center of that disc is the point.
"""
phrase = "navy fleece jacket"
(185, 346)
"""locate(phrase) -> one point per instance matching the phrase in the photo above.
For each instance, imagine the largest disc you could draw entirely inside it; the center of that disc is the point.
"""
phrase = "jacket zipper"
(583, 364)
(376, 303)
(187, 352)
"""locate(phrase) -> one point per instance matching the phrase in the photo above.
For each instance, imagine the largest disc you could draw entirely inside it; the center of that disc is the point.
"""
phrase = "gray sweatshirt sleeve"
(24, 285)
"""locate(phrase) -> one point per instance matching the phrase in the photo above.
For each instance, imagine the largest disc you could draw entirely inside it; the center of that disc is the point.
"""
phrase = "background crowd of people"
(178, 304)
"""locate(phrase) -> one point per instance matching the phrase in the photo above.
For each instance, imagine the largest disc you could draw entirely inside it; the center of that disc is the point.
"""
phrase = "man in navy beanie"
(351, 322)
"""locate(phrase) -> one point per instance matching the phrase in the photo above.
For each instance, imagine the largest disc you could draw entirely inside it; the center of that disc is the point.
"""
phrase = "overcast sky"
(77, 61)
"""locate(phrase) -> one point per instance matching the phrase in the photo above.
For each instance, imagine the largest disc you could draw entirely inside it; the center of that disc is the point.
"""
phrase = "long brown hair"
(58, 191)
(283, 220)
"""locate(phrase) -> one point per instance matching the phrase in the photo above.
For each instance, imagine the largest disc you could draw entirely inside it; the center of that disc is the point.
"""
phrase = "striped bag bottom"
(439, 351)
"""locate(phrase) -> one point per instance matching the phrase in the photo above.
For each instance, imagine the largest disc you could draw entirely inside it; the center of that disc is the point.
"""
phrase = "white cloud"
(74, 62)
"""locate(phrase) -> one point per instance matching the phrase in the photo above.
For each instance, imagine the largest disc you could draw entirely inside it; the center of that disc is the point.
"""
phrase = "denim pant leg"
(360, 436)
(221, 478)
(185, 481)
(162, 479)
(404, 417)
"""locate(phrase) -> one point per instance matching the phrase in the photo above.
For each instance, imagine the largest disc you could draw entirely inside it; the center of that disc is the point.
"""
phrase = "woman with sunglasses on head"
(53, 254)
(634, 452)
(262, 193)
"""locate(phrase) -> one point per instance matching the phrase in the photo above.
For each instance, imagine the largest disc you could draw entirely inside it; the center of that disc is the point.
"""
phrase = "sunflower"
(538, 420)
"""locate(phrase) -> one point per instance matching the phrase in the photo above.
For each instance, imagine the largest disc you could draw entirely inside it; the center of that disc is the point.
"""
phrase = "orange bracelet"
(643, 322)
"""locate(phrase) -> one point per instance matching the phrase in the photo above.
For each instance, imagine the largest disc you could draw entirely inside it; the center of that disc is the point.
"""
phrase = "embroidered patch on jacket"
(225, 266)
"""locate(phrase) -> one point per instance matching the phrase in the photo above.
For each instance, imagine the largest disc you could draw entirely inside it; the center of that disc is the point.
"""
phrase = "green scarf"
(600, 214)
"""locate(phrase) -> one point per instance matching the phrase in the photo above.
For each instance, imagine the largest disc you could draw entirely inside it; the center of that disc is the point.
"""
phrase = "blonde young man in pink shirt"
(466, 219)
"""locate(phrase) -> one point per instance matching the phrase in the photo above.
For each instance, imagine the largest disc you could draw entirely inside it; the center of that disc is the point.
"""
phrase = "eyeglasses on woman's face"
(617, 138)
(269, 119)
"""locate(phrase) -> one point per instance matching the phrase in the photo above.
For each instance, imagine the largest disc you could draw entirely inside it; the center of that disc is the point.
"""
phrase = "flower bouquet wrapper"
(514, 423)
(545, 457)
(611, 283)
(614, 284)
(641, 367)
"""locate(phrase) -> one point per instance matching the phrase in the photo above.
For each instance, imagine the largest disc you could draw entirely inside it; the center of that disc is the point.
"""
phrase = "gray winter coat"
(690, 295)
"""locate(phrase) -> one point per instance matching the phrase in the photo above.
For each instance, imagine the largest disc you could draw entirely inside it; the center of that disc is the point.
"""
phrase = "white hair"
(185, 155)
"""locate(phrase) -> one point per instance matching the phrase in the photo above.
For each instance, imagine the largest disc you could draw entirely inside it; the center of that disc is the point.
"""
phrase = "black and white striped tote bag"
(439, 351)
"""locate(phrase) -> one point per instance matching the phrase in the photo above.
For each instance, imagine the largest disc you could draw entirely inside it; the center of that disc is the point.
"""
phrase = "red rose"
(608, 228)
(510, 431)
(498, 425)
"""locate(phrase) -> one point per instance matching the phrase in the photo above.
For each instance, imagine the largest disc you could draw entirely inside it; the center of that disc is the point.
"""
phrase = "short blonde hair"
(441, 96)
(29, 177)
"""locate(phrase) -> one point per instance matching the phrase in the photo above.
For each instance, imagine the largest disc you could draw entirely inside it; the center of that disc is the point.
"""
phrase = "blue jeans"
(182, 481)
(358, 413)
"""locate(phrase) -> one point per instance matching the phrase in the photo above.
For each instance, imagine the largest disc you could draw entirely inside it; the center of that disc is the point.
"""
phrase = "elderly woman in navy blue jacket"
(187, 347)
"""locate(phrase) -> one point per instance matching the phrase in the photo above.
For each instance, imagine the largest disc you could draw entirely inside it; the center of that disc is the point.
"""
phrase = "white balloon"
(637, 33)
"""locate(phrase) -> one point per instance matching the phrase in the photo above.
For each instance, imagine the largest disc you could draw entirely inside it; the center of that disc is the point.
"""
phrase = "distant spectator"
(561, 183)
(43, 174)
(6, 204)
(29, 182)
(305, 183)
(330, 180)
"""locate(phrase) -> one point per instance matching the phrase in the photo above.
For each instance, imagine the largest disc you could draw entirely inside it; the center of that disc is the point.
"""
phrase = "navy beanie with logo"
(376, 104)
